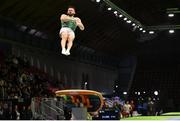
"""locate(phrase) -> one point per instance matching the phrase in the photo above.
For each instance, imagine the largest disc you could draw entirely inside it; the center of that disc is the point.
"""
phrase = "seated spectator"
(126, 109)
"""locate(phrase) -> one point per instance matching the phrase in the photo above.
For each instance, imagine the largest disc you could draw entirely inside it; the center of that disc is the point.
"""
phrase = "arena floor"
(167, 116)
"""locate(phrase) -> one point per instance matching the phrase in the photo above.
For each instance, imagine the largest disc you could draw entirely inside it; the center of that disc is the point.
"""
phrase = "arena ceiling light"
(171, 12)
(156, 93)
(125, 19)
(144, 31)
(98, 1)
(133, 24)
(125, 93)
(121, 13)
(163, 27)
(171, 31)
(140, 29)
(139, 93)
(32, 31)
(129, 21)
(109, 8)
(151, 32)
(120, 16)
(170, 15)
(115, 12)
(23, 28)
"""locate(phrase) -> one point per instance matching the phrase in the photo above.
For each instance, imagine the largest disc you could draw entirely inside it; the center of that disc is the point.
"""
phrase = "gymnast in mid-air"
(69, 24)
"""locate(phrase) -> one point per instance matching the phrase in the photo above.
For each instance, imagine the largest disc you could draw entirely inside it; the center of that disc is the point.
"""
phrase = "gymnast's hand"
(79, 23)
(66, 18)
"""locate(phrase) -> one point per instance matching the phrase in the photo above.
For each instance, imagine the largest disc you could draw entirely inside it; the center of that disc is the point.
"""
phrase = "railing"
(47, 108)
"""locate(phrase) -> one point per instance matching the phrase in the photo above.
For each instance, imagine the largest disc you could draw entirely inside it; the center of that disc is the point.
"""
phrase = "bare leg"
(70, 43)
(64, 36)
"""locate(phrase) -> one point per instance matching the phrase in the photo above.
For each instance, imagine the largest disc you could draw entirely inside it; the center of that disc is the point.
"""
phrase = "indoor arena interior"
(90, 60)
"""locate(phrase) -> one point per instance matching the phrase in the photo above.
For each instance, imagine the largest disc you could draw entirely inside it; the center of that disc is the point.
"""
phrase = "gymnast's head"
(71, 11)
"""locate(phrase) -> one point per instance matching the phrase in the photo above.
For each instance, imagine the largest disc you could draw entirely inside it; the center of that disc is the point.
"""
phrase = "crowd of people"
(16, 112)
(19, 82)
(130, 108)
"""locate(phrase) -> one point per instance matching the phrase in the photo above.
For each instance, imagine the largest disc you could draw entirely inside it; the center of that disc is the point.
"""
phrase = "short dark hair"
(71, 6)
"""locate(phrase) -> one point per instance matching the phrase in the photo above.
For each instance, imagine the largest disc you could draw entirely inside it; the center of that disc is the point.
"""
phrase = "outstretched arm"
(79, 23)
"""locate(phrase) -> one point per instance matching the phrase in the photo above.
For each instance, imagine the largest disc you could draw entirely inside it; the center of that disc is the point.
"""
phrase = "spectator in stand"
(150, 107)
(23, 113)
(6, 112)
(10, 113)
(117, 107)
(132, 108)
(21, 81)
(16, 113)
(2, 89)
(1, 112)
(126, 109)
(29, 113)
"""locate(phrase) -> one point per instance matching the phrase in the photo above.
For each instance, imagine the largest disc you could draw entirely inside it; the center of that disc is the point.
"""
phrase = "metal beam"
(158, 27)
(119, 10)
(172, 10)
(163, 27)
